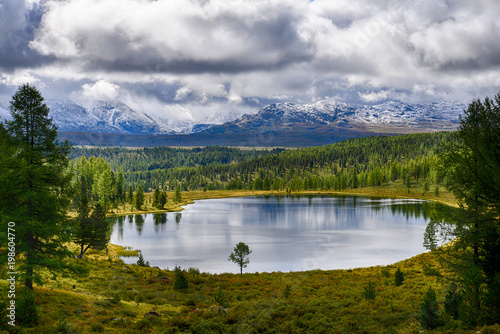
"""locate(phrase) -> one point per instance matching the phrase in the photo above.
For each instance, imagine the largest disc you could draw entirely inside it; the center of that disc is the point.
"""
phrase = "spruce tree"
(399, 277)
(34, 186)
(177, 195)
(156, 198)
(471, 167)
(429, 311)
(163, 200)
(139, 198)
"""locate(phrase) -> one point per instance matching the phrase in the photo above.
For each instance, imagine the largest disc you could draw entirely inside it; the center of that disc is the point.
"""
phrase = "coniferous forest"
(351, 164)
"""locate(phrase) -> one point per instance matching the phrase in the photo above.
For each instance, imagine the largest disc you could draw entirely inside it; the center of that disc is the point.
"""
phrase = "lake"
(285, 233)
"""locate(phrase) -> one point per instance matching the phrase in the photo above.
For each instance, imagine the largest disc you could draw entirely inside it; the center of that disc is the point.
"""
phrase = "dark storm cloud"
(198, 52)
(18, 24)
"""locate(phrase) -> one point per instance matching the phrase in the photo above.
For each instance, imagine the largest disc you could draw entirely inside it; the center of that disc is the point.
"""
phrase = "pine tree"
(130, 197)
(471, 165)
(240, 255)
(139, 198)
(220, 300)
(429, 310)
(177, 195)
(163, 200)
(156, 198)
(141, 262)
(399, 277)
(181, 281)
(34, 186)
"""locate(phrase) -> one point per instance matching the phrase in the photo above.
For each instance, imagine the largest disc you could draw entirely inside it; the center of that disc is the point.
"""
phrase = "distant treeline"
(371, 161)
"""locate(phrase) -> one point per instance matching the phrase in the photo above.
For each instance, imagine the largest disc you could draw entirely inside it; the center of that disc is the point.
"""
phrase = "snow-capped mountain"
(322, 116)
(390, 114)
(100, 116)
(117, 117)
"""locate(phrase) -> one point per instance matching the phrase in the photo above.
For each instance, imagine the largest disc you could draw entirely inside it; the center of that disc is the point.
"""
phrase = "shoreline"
(189, 197)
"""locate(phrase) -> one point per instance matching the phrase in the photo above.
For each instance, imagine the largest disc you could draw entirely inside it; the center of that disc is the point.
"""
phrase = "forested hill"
(146, 159)
(372, 161)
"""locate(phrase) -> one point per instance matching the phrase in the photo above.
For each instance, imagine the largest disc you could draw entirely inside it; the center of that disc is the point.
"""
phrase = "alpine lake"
(284, 233)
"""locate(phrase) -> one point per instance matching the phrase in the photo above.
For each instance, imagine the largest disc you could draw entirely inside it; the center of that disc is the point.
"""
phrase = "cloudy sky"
(186, 59)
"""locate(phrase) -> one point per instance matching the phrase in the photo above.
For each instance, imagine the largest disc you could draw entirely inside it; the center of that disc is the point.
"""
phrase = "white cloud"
(218, 53)
(101, 90)
(374, 96)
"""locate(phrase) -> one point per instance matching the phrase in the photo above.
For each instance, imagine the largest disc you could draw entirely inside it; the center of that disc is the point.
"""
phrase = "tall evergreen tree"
(163, 200)
(471, 165)
(177, 195)
(139, 198)
(156, 198)
(33, 184)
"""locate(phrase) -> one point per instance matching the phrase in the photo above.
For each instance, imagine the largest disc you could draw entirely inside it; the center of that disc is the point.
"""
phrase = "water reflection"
(159, 220)
(284, 232)
(139, 223)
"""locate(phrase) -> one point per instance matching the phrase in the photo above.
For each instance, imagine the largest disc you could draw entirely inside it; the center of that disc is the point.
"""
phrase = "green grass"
(114, 297)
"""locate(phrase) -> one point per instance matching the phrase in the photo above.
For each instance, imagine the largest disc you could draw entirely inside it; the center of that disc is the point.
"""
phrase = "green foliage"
(181, 281)
(159, 199)
(130, 195)
(139, 198)
(429, 311)
(141, 262)
(220, 300)
(470, 165)
(398, 277)
(177, 195)
(96, 181)
(34, 186)
(26, 310)
(369, 291)
(287, 292)
(351, 164)
(91, 231)
(240, 255)
(452, 302)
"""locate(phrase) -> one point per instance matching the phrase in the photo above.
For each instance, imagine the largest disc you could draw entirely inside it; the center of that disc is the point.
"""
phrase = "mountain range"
(280, 124)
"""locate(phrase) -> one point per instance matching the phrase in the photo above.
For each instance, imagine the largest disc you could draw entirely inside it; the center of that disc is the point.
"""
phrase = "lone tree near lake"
(34, 185)
(240, 255)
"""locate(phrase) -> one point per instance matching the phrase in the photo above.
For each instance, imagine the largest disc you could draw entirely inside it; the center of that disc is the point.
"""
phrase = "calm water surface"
(285, 233)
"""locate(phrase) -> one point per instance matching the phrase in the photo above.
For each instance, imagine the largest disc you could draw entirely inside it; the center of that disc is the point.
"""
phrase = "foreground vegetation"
(114, 298)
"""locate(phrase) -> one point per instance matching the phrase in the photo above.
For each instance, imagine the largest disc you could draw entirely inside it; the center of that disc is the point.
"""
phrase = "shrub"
(193, 271)
(288, 291)
(220, 300)
(181, 281)
(399, 277)
(97, 328)
(141, 262)
(27, 314)
(369, 291)
(429, 311)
